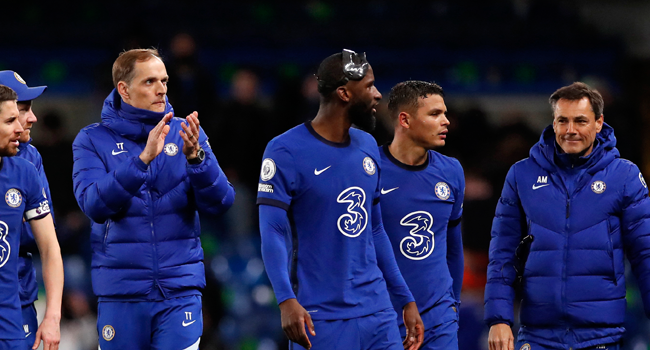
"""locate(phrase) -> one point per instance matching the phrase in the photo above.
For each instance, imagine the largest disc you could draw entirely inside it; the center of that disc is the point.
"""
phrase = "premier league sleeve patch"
(5, 247)
(14, 198)
(268, 169)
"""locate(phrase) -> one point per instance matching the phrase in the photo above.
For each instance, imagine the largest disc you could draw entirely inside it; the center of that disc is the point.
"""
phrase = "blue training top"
(24, 197)
(328, 190)
(421, 210)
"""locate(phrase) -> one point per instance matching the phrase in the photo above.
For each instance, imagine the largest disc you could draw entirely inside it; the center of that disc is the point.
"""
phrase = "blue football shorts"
(378, 331)
(175, 323)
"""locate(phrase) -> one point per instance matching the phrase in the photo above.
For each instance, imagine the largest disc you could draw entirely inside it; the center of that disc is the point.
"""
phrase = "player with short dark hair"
(422, 203)
(567, 217)
(324, 247)
(24, 200)
(26, 271)
(143, 177)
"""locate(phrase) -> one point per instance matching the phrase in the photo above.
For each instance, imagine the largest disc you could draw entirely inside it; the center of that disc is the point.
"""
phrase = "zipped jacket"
(145, 218)
(585, 215)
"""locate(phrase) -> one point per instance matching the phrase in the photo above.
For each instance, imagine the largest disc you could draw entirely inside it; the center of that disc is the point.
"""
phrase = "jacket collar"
(128, 121)
(546, 152)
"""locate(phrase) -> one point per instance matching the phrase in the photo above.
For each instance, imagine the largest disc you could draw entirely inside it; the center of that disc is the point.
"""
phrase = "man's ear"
(343, 93)
(404, 120)
(123, 90)
(599, 123)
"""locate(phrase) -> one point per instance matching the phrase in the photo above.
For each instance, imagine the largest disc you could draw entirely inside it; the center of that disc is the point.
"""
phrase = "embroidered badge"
(170, 149)
(442, 191)
(14, 198)
(598, 187)
(108, 332)
(369, 166)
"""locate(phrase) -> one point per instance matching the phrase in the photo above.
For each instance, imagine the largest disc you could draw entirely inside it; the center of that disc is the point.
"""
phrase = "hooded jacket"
(145, 218)
(585, 215)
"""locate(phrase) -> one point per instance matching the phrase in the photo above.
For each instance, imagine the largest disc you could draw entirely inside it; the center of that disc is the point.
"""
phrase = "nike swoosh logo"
(116, 153)
(387, 191)
(318, 172)
(187, 324)
(540, 186)
(27, 335)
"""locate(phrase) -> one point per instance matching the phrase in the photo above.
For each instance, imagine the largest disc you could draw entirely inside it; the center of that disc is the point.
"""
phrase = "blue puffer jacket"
(583, 215)
(145, 222)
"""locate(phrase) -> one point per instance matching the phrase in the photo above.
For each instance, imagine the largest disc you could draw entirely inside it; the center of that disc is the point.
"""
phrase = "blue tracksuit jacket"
(145, 222)
(585, 215)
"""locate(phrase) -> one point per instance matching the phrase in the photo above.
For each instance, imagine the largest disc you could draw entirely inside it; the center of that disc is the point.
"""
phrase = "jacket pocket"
(610, 251)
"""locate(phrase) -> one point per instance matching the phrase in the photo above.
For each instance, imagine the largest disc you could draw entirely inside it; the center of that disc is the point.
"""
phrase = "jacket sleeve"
(506, 235)
(102, 194)
(274, 227)
(635, 224)
(212, 191)
(386, 261)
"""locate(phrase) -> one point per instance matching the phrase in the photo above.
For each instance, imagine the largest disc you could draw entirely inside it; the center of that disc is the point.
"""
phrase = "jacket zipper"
(610, 250)
(155, 242)
(108, 224)
(566, 254)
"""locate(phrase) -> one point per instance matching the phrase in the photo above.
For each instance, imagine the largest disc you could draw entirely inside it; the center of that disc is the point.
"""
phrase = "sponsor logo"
(5, 247)
(170, 149)
(535, 187)
(318, 172)
(108, 332)
(442, 191)
(369, 166)
(420, 243)
(387, 191)
(642, 180)
(355, 220)
(598, 187)
(264, 188)
(268, 169)
(114, 152)
(14, 198)
(185, 324)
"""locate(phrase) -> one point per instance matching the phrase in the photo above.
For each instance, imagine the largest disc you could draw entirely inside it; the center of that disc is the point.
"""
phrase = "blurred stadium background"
(247, 68)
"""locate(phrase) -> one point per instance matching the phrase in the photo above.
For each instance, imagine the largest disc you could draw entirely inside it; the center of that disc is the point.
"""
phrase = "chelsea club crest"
(108, 332)
(369, 166)
(170, 149)
(14, 198)
(598, 187)
(442, 190)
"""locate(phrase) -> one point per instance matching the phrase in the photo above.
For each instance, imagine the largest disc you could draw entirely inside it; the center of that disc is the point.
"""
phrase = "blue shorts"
(373, 332)
(528, 345)
(13, 344)
(167, 324)
(30, 325)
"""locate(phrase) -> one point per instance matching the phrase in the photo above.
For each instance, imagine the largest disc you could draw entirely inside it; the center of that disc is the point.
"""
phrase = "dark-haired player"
(422, 202)
(324, 246)
(24, 199)
(26, 272)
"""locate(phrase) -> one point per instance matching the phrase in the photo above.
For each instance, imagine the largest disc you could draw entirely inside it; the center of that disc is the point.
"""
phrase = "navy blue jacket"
(585, 214)
(145, 222)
